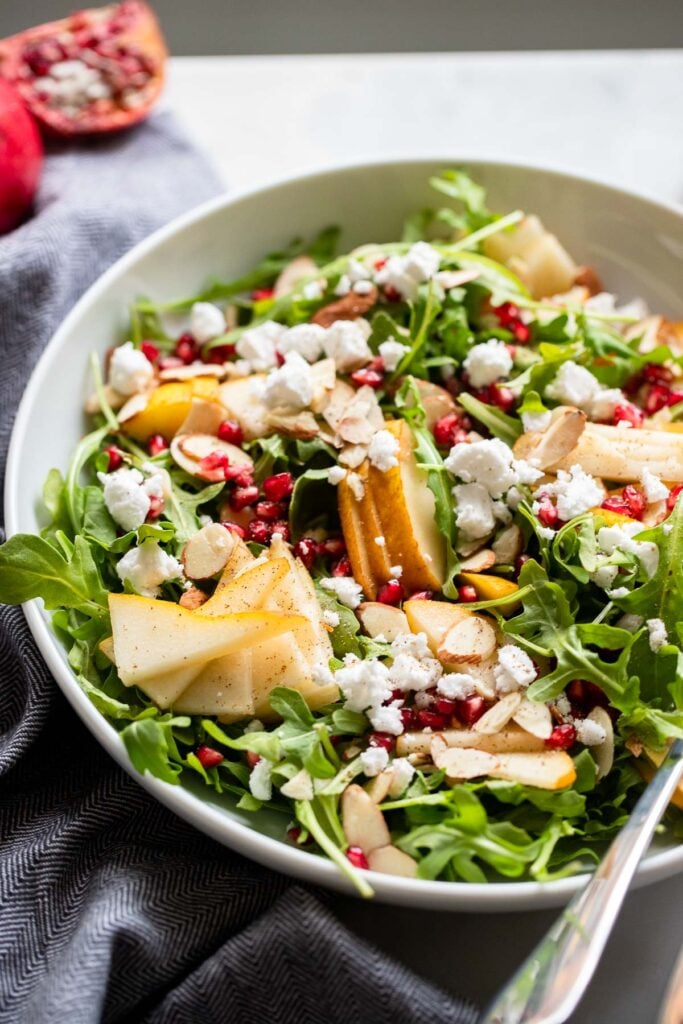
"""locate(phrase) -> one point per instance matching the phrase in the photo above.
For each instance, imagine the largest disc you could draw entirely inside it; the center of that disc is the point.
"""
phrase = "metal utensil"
(549, 984)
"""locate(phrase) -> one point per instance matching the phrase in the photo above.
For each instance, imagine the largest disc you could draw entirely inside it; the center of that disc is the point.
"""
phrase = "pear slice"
(434, 619)
(553, 769)
(510, 740)
(242, 404)
(406, 509)
(392, 861)
(354, 531)
(249, 590)
(384, 620)
(363, 822)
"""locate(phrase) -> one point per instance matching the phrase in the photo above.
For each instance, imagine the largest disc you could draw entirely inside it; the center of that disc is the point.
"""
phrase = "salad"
(386, 542)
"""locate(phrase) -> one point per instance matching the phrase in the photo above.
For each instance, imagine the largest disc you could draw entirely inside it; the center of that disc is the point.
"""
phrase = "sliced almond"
(379, 619)
(203, 418)
(324, 378)
(553, 769)
(349, 307)
(378, 788)
(133, 406)
(480, 561)
(535, 718)
(106, 646)
(462, 763)
(363, 823)
(193, 598)
(242, 404)
(300, 267)
(353, 455)
(507, 546)
(655, 513)
(301, 425)
(588, 278)
(455, 278)
(508, 740)
(192, 370)
(603, 752)
(469, 642)
(560, 438)
(207, 552)
(392, 861)
(336, 403)
(499, 715)
(187, 451)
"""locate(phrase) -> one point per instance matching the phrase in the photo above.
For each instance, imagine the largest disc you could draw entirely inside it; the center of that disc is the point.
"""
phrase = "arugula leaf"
(291, 706)
(181, 508)
(507, 428)
(152, 748)
(98, 525)
(458, 185)
(31, 567)
(661, 596)
(344, 637)
(313, 502)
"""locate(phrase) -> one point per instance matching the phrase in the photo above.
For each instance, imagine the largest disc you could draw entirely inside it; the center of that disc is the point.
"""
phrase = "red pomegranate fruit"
(21, 158)
(99, 70)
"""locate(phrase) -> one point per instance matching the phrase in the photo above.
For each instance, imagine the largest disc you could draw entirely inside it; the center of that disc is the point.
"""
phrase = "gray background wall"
(356, 26)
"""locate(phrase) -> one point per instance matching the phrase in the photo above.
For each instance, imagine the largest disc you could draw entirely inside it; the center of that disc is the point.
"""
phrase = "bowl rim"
(245, 839)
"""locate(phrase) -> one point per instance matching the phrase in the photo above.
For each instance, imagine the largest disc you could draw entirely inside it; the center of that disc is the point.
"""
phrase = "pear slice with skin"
(354, 538)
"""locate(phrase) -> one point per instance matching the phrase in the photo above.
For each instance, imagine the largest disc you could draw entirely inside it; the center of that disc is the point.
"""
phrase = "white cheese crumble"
(487, 362)
(127, 496)
(492, 464)
(336, 475)
(474, 515)
(260, 782)
(402, 775)
(611, 538)
(618, 593)
(306, 339)
(374, 760)
(396, 571)
(259, 344)
(343, 286)
(364, 684)
(299, 787)
(575, 385)
(410, 673)
(291, 386)
(356, 485)
(605, 575)
(405, 273)
(590, 733)
(363, 287)
(345, 589)
(457, 685)
(387, 719)
(380, 541)
(392, 352)
(539, 421)
(148, 566)
(346, 341)
(206, 322)
(658, 635)
(130, 371)
(630, 622)
(414, 644)
(514, 670)
(330, 618)
(313, 290)
(575, 492)
(653, 487)
(383, 451)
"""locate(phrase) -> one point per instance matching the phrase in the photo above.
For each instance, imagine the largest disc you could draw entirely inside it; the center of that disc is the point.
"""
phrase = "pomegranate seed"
(377, 364)
(243, 497)
(520, 562)
(675, 397)
(231, 431)
(562, 737)
(446, 707)
(467, 594)
(657, 398)
(396, 695)
(507, 313)
(186, 348)
(242, 476)
(333, 547)
(279, 359)
(367, 378)
(502, 397)
(382, 739)
(235, 528)
(628, 414)
(219, 354)
(214, 467)
(156, 507)
(260, 294)
(281, 528)
(409, 718)
(522, 333)
(115, 456)
(259, 531)
(278, 487)
(422, 595)
(470, 709)
(157, 444)
(431, 720)
(270, 510)
(355, 856)
(547, 513)
(448, 430)
(306, 549)
(391, 294)
(656, 374)
(616, 504)
(293, 834)
(149, 351)
(342, 567)
(584, 696)
(391, 593)
(208, 757)
(252, 759)
(673, 495)
(380, 262)
(635, 500)
(170, 363)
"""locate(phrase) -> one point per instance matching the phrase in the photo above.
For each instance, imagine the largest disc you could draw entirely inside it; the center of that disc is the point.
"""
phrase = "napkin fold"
(111, 908)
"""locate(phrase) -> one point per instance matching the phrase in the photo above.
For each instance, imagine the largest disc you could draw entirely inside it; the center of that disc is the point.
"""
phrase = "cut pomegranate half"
(21, 158)
(99, 70)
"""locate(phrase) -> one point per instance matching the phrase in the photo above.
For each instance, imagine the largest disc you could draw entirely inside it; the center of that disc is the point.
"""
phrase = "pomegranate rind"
(21, 158)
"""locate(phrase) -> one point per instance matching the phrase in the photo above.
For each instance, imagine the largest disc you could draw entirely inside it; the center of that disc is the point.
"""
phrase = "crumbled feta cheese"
(410, 673)
(621, 536)
(148, 566)
(357, 271)
(364, 684)
(514, 670)
(590, 733)
(383, 451)
(363, 287)
(330, 618)
(290, 386)
(630, 622)
(487, 362)
(345, 589)
(402, 775)
(575, 492)
(618, 593)
(573, 385)
(346, 341)
(605, 575)
(545, 532)
(653, 487)
(405, 273)
(299, 787)
(414, 644)
(356, 485)
(380, 541)
(130, 372)
(490, 463)
(605, 402)
(396, 571)
(392, 352)
(258, 345)
(658, 635)
(206, 322)
(457, 685)
(387, 719)
(336, 475)
(374, 760)
(125, 496)
(667, 528)
(474, 515)
(423, 700)
(536, 420)
(343, 285)
(313, 290)
(563, 705)
(260, 782)
(306, 339)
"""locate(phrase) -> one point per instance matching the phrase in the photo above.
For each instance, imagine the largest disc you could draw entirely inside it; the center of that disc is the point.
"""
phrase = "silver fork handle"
(549, 984)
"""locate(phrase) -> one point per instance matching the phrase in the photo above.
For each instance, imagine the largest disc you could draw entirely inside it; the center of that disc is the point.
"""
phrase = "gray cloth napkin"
(111, 908)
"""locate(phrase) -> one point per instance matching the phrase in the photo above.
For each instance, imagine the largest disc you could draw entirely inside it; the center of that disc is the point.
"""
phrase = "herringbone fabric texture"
(111, 908)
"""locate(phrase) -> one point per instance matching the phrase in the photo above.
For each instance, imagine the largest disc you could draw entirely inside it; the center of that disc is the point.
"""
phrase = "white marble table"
(615, 116)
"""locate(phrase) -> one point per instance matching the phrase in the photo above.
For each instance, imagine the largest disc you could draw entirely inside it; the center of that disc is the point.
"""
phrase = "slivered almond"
(462, 763)
(350, 307)
(301, 425)
(499, 715)
(378, 788)
(535, 718)
(603, 752)
(193, 598)
(480, 561)
(560, 438)
(362, 821)
(510, 740)
(203, 418)
(133, 406)
(588, 277)
(469, 642)
(300, 267)
(207, 552)
(392, 861)
(507, 546)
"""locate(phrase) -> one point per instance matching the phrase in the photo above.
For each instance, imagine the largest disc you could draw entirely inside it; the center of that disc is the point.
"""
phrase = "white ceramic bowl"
(637, 245)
